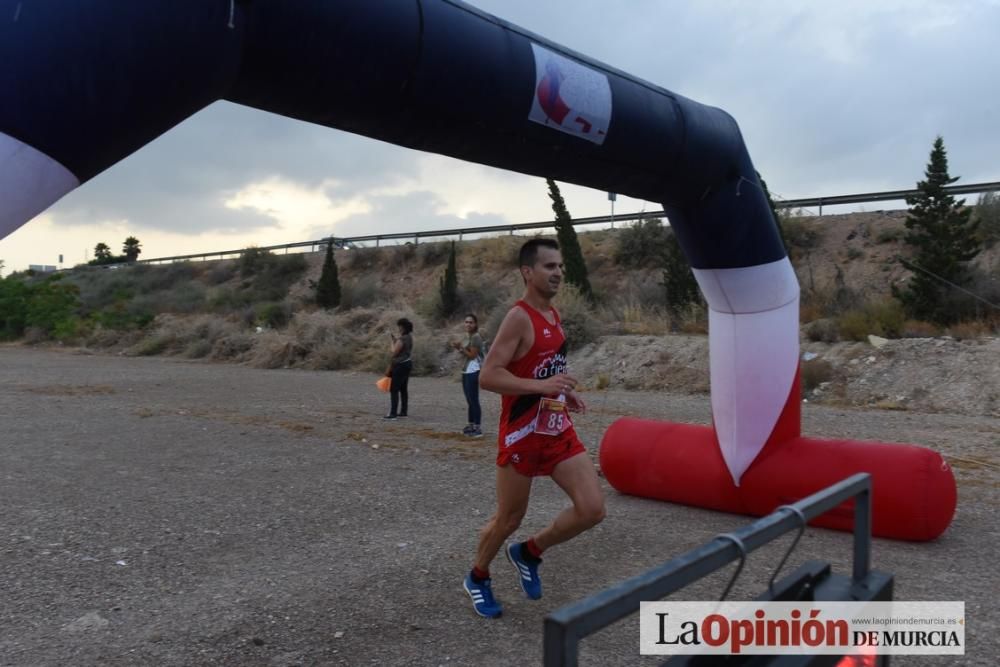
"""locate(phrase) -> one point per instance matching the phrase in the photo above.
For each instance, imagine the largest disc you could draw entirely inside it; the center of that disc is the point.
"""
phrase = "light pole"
(611, 198)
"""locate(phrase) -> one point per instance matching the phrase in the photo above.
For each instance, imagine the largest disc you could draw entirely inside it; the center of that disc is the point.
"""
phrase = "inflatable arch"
(87, 82)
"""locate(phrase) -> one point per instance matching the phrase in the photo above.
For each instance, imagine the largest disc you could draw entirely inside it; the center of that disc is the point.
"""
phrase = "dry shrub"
(497, 251)
(198, 349)
(810, 309)
(592, 245)
(103, 337)
(854, 326)
(363, 292)
(221, 271)
(578, 319)
(890, 235)
(211, 328)
(433, 254)
(194, 336)
(428, 305)
(274, 349)
(815, 372)
(919, 329)
(359, 320)
(398, 258)
(881, 318)
(643, 288)
(35, 335)
(334, 354)
(158, 343)
(970, 330)
(313, 328)
(331, 341)
(490, 322)
(640, 319)
(480, 297)
(595, 241)
(362, 259)
(829, 300)
(234, 346)
(365, 337)
(693, 319)
(801, 234)
(824, 330)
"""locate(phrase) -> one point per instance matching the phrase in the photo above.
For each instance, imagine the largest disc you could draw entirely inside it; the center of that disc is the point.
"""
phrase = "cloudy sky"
(832, 98)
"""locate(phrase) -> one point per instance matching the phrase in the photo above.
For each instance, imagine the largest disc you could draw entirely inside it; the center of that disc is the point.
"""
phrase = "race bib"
(553, 417)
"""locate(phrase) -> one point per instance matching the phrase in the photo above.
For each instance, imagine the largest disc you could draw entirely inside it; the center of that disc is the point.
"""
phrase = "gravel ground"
(164, 512)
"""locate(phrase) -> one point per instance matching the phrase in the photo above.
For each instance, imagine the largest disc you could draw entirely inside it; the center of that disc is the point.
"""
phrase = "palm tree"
(102, 252)
(132, 248)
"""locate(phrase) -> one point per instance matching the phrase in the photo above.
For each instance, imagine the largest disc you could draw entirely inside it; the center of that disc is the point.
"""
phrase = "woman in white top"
(472, 349)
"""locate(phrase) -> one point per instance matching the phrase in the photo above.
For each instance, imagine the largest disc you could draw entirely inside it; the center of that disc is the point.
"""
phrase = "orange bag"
(383, 383)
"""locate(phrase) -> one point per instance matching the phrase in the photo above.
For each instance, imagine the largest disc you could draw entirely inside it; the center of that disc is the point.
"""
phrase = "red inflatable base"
(913, 489)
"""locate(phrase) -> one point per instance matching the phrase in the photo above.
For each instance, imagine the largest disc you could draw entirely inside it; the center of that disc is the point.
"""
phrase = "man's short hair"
(529, 251)
(406, 324)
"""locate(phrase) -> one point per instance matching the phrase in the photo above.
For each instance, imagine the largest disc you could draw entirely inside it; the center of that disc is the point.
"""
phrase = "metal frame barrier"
(460, 232)
(565, 627)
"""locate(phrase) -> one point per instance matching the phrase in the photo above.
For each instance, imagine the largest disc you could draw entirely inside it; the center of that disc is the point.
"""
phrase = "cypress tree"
(328, 287)
(449, 285)
(944, 238)
(678, 279)
(576, 268)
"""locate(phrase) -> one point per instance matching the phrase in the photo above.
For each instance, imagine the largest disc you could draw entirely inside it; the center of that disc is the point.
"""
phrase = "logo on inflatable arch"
(570, 97)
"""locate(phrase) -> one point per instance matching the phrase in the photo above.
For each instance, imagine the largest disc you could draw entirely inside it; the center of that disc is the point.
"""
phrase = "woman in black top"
(399, 370)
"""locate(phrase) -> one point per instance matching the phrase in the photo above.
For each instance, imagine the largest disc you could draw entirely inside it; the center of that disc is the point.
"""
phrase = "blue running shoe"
(527, 572)
(482, 597)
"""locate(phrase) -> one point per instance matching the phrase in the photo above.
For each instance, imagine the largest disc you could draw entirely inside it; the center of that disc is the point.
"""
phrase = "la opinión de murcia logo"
(717, 630)
(816, 628)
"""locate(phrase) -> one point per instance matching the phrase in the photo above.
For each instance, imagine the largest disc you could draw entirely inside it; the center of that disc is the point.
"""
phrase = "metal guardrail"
(889, 195)
(565, 627)
(460, 232)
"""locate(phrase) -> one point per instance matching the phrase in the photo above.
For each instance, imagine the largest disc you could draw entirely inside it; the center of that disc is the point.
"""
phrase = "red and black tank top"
(547, 357)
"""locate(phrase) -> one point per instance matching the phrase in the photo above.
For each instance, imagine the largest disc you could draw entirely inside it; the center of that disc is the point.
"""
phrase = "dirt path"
(163, 512)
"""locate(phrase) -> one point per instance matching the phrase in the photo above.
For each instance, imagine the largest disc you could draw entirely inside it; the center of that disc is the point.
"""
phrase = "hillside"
(259, 311)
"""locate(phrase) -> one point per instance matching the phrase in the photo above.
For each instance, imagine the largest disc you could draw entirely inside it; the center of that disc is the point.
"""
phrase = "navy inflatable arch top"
(88, 82)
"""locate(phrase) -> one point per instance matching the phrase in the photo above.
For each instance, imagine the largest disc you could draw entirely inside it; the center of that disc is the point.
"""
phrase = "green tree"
(14, 295)
(102, 253)
(944, 239)
(328, 287)
(774, 212)
(678, 279)
(52, 306)
(131, 248)
(576, 268)
(987, 216)
(642, 245)
(253, 260)
(449, 285)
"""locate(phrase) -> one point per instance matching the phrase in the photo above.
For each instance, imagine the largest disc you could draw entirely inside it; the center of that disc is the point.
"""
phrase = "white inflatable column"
(753, 329)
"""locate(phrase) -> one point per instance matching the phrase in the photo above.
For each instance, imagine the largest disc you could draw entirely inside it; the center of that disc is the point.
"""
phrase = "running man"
(527, 366)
